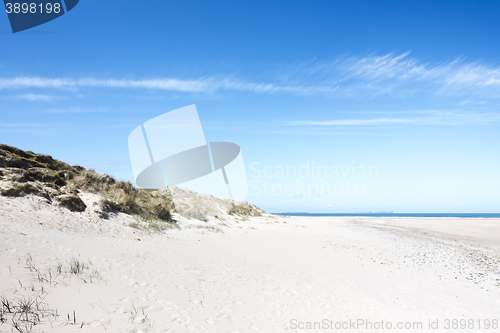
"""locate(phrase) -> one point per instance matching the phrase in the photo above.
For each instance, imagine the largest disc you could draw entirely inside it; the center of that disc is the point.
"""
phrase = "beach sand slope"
(262, 274)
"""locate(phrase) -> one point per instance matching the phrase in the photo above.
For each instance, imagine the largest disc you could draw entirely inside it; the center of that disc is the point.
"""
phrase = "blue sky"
(382, 105)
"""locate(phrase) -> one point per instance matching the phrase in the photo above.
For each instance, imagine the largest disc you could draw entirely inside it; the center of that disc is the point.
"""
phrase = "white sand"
(260, 275)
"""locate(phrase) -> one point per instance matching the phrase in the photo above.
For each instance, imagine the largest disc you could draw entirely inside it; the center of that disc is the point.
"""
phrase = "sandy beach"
(266, 274)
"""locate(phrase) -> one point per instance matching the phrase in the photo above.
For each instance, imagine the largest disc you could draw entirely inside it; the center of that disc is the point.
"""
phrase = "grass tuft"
(20, 190)
(211, 228)
(76, 267)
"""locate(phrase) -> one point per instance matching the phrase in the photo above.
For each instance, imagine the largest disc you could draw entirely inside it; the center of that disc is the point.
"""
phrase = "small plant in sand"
(94, 275)
(24, 312)
(26, 308)
(139, 317)
(5, 308)
(71, 319)
(53, 274)
(135, 225)
(30, 263)
(210, 228)
(154, 226)
(76, 267)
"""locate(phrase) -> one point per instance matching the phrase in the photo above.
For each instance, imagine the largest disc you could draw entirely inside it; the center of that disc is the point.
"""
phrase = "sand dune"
(267, 274)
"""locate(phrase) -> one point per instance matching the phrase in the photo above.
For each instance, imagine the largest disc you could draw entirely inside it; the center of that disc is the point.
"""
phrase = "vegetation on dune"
(245, 209)
(123, 197)
(30, 173)
(19, 190)
(26, 173)
(71, 202)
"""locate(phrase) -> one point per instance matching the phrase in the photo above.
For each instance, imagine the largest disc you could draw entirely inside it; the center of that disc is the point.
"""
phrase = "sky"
(338, 106)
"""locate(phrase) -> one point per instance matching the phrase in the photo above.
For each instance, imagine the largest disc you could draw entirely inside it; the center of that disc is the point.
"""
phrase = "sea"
(390, 214)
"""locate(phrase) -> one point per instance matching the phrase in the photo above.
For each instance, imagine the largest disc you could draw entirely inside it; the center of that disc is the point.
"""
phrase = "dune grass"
(26, 173)
(37, 174)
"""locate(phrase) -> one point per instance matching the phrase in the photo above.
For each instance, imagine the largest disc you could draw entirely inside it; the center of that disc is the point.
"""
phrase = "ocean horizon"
(391, 214)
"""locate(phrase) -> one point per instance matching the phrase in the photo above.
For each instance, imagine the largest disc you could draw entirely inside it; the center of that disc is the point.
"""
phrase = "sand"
(269, 274)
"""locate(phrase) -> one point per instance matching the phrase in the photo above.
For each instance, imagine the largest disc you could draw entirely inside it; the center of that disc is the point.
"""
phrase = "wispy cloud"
(37, 97)
(71, 110)
(400, 73)
(22, 82)
(416, 118)
(353, 122)
(21, 125)
(203, 85)
(374, 75)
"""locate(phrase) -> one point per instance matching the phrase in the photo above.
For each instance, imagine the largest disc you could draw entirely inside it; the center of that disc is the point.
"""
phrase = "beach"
(260, 274)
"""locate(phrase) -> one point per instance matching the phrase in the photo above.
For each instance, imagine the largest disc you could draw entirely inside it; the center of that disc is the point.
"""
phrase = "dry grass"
(30, 173)
(19, 190)
(25, 173)
(25, 309)
(210, 228)
(245, 209)
(153, 226)
(123, 197)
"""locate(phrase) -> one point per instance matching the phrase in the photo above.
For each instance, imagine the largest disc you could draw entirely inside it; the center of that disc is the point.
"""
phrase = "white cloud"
(21, 125)
(400, 75)
(37, 97)
(427, 117)
(376, 75)
(400, 71)
(23, 82)
(203, 85)
(352, 122)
